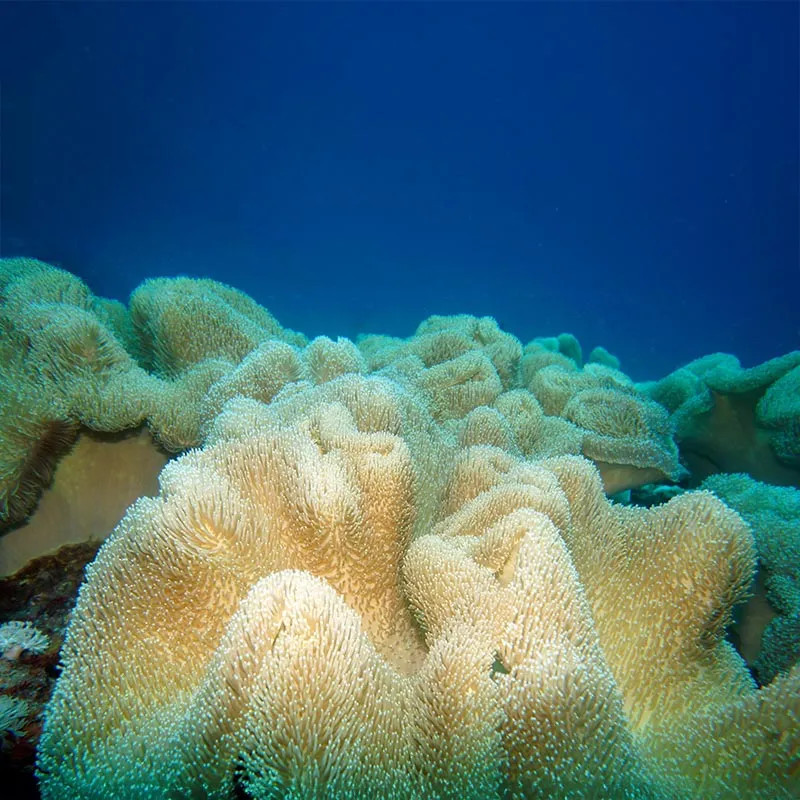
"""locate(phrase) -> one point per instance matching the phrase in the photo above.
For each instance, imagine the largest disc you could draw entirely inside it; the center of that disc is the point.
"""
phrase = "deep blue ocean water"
(627, 172)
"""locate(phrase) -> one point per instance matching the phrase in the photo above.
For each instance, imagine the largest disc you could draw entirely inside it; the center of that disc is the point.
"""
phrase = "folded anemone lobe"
(333, 597)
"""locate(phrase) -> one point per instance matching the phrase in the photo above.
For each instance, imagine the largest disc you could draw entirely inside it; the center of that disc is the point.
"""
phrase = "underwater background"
(448, 557)
(627, 172)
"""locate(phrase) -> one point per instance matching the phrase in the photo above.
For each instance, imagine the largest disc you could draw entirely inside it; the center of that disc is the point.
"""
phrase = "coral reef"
(388, 567)
(332, 598)
(71, 363)
(17, 636)
(71, 509)
(773, 513)
(43, 593)
(731, 419)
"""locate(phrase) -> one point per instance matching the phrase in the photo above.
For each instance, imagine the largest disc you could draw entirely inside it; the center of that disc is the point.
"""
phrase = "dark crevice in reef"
(42, 593)
(239, 792)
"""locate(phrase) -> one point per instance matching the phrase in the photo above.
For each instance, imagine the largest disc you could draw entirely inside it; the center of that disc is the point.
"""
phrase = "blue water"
(627, 172)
